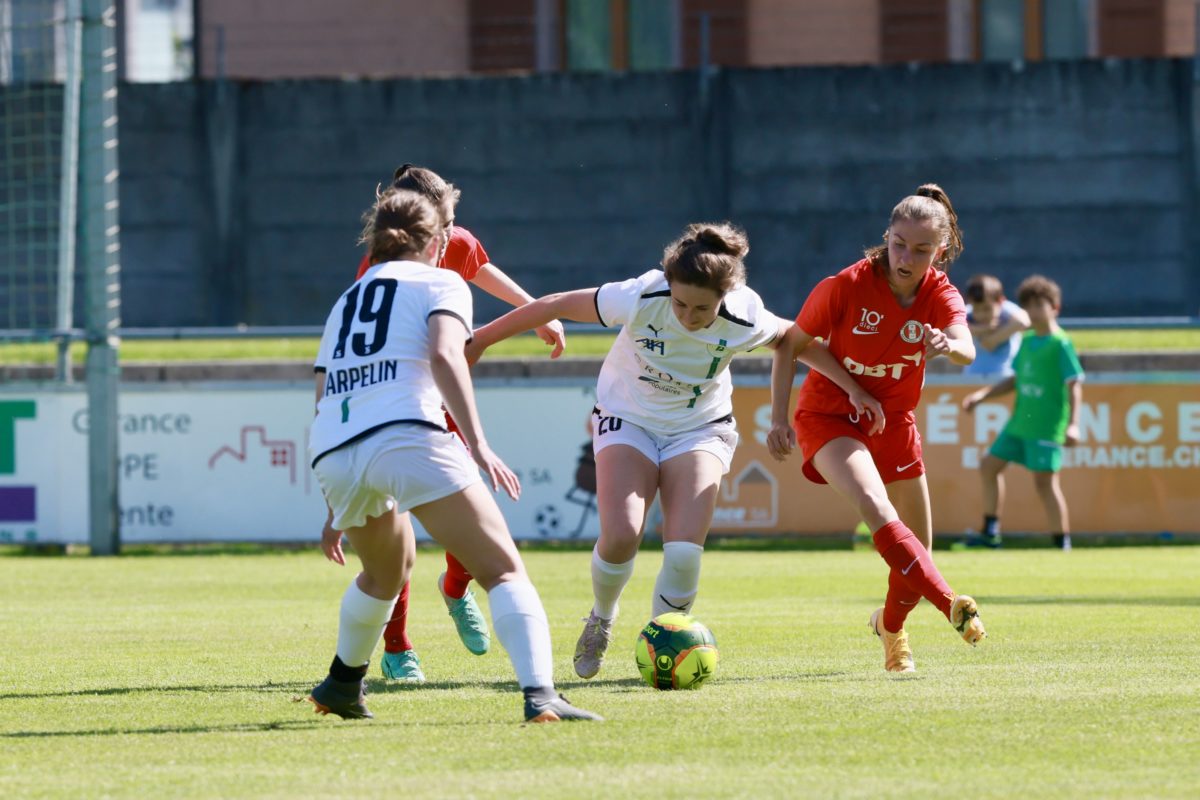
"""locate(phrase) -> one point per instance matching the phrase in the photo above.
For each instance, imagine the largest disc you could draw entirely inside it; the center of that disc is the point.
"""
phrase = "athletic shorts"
(896, 451)
(400, 466)
(1038, 455)
(720, 438)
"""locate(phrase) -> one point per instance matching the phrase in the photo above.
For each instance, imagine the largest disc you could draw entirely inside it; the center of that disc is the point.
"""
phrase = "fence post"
(98, 184)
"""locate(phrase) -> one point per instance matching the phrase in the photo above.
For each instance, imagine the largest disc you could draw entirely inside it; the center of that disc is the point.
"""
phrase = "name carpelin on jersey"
(347, 380)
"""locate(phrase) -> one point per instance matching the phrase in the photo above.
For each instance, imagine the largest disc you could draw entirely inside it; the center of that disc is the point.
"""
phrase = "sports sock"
(457, 578)
(1062, 541)
(340, 672)
(608, 581)
(991, 526)
(900, 601)
(395, 635)
(521, 626)
(905, 554)
(679, 579)
(360, 625)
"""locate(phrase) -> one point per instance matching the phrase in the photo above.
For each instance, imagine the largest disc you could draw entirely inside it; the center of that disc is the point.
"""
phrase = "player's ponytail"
(400, 226)
(930, 203)
(708, 255)
(428, 183)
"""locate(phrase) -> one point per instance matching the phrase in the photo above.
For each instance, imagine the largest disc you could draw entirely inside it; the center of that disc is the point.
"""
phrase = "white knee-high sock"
(360, 625)
(679, 579)
(521, 626)
(608, 581)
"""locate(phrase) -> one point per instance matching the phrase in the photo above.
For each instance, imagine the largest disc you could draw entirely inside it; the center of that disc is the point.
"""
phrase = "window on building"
(1066, 26)
(1002, 30)
(652, 34)
(588, 33)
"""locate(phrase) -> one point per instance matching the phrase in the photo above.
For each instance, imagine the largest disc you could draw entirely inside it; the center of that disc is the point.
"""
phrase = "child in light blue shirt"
(996, 325)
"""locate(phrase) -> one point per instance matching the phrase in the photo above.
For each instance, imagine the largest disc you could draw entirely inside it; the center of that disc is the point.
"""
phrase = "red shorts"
(896, 451)
(450, 426)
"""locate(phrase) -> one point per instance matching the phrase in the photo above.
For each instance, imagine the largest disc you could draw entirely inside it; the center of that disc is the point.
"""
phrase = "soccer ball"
(547, 521)
(676, 651)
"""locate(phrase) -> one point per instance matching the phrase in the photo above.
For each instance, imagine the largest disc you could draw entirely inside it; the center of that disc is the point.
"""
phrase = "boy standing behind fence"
(1048, 381)
(996, 324)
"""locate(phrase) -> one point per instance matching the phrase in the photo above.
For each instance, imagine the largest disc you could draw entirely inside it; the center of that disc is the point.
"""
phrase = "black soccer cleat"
(544, 705)
(347, 699)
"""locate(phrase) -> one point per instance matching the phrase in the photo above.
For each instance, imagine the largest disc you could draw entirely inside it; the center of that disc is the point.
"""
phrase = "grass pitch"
(173, 676)
(579, 345)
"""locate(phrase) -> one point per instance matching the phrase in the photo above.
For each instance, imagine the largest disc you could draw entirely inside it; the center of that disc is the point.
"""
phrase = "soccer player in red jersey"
(882, 318)
(465, 255)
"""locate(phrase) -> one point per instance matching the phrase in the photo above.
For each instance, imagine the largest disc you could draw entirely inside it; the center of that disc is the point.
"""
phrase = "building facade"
(403, 38)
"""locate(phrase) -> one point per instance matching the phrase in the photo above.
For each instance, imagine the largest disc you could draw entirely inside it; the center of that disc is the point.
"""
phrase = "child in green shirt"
(1048, 381)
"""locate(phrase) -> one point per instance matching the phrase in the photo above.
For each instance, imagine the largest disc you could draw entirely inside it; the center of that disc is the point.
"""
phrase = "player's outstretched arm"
(498, 284)
(578, 305)
(954, 343)
(994, 337)
(448, 363)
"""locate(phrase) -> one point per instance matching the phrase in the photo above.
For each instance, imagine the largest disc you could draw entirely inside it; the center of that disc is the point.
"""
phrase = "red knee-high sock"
(395, 635)
(912, 566)
(900, 601)
(457, 578)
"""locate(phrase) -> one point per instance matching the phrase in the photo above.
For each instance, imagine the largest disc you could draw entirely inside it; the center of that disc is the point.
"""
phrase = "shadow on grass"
(278, 688)
(240, 727)
(1085, 600)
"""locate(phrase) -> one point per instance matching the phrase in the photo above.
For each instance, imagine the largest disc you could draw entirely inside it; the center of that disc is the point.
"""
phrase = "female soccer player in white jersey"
(392, 353)
(663, 422)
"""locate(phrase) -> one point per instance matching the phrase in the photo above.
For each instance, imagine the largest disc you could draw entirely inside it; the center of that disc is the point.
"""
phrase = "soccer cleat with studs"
(545, 705)
(592, 645)
(468, 619)
(403, 666)
(964, 616)
(897, 656)
(346, 699)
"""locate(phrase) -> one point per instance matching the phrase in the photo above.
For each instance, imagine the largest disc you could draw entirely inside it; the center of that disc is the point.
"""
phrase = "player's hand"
(970, 401)
(781, 440)
(331, 542)
(497, 472)
(552, 333)
(1072, 435)
(937, 343)
(865, 403)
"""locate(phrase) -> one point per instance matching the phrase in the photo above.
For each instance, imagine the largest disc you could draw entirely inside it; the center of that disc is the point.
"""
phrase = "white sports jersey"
(375, 352)
(663, 377)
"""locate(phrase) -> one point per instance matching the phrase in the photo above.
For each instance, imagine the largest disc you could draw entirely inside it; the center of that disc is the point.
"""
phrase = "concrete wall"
(242, 203)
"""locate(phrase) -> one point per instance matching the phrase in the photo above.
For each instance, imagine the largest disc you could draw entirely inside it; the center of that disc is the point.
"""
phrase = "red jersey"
(465, 255)
(878, 342)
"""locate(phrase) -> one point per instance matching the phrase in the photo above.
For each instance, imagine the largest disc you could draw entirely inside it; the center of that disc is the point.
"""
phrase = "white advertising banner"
(203, 463)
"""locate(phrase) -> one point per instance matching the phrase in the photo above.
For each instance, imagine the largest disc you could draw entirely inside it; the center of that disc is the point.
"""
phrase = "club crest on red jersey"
(912, 332)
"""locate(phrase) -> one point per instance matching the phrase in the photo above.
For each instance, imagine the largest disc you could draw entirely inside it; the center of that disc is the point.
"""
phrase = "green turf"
(173, 676)
(579, 344)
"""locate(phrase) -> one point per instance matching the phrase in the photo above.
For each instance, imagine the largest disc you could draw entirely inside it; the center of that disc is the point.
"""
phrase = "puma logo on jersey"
(657, 331)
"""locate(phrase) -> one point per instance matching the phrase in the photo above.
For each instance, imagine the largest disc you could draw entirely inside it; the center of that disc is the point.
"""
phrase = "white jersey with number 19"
(375, 353)
(663, 377)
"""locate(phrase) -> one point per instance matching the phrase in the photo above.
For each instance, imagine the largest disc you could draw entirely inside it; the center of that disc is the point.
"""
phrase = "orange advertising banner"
(1136, 470)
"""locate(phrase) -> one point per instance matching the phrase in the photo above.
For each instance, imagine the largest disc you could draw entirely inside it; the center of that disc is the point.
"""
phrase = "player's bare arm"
(578, 305)
(498, 284)
(447, 362)
(781, 439)
(954, 343)
(331, 538)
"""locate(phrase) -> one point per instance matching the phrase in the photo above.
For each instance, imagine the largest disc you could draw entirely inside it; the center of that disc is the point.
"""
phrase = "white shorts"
(400, 466)
(720, 438)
